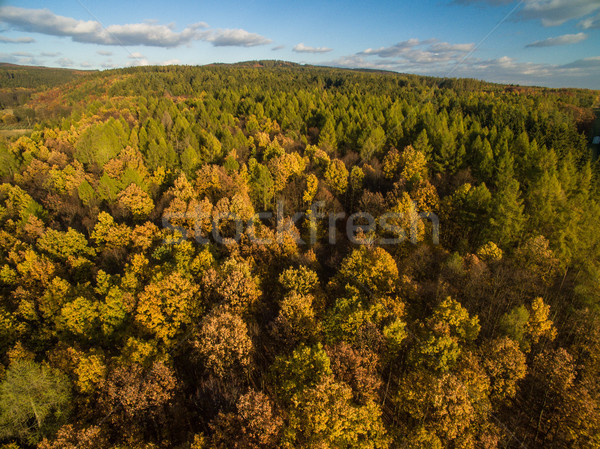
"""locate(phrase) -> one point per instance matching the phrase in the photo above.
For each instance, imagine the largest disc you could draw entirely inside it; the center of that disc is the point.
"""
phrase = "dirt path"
(14, 132)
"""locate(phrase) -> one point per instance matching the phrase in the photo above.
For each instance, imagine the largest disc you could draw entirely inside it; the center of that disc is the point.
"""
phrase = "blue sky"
(543, 42)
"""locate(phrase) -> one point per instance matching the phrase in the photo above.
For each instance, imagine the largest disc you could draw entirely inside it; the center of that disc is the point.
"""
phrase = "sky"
(553, 43)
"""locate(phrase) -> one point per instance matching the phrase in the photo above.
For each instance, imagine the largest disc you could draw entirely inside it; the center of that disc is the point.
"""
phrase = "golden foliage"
(337, 176)
(167, 305)
(135, 201)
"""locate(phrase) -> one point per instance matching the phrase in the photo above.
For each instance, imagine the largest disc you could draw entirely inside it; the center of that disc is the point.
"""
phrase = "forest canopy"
(461, 312)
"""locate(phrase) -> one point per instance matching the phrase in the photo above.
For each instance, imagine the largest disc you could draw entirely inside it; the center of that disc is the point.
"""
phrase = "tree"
(373, 144)
(108, 234)
(70, 246)
(69, 437)
(489, 252)
(302, 280)
(296, 321)
(451, 407)
(135, 202)
(327, 136)
(321, 412)
(223, 344)
(405, 218)
(356, 178)
(391, 164)
(359, 368)
(483, 158)
(539, 324)
(284, 167)
(312, 183)
(34, 400)
(132, 394)
(507, 220)
(80, 317)
(167, 305)
(236, 286)
(324, 416)
(444, 335)
(566, 411)
(372, 269)
(422, 144)
(255, 425)
(505, 365)
(337, 176)
(261, 184)
(101, 142)
(413, 165)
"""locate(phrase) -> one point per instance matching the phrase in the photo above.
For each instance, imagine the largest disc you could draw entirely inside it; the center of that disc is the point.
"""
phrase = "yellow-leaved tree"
(167, 305)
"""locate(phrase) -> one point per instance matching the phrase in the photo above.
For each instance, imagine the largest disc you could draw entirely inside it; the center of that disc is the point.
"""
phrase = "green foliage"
(38, 77)
(8, 161)
(101, 142)
(65, 245)
(34, 400)
(305, 368)
(261, 183)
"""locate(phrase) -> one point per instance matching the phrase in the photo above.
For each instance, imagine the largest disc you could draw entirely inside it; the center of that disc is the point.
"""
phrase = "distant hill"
(18, 84)
(12, 76)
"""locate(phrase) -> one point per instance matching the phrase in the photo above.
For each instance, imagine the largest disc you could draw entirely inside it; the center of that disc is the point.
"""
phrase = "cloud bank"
(236, 38)
(549, 12)
(565, 39)
(149, 34)
(18, 40)
(444, 59)
(416, 52)
(590, 23)
(301, 48)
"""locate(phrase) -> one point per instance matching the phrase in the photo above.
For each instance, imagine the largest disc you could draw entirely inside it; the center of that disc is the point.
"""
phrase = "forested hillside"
(19, 83)
(425, 272)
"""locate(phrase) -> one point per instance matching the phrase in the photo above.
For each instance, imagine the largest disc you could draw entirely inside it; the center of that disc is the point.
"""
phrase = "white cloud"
(417, 52)
(65, 62)
(394, 50)
(18, 40)
(236, 38)
(137, 59)
(147, 33)
(580, 73)
(104, 53)
(565, 39)
(139, 63)
(50, 54)
(18, 59)
(443, 47)
(549, 12)
(590, 23)
(171, 62)
(301, 48)
(278, 47)
(585, 63)
(46, 22)
(557, 12)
